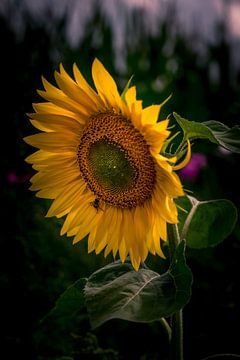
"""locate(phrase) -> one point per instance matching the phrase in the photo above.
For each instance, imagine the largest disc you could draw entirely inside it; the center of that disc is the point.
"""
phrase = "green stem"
(173, 239)
(167, 328)
(176, 344)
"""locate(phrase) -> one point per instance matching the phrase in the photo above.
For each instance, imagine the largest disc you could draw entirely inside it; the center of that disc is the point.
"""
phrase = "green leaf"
(126, 87)
(194, 130)
(70, 302)
(56, 329)
(229, 138)
(207, 223)
(117, 291)
(214, 131)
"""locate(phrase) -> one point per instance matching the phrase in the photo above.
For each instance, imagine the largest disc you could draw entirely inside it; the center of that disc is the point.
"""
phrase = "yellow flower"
(100, 161)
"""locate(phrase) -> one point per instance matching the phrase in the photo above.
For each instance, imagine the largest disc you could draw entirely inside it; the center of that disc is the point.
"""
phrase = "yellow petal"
(169, 183)
(73, 91)
(86, 213)
(106, 86)
(164, 158)
(64, 102)
(101, 244)
(123, 251)
(102, 230)
(156, 240)
(186, 159)
(91, 239)
(50, 122)
(82, 83)
(150, 114)
(49, 193)
(88, 225)
(136, 114)
(38, 156)
(118, 233)
(163, 125)
(43, 180)
(49, 108)
(141, 229)
(130, 96)
(68, 198)
(160, 206)
(155, 137)
(135, 260)
(55, 142)
(112, 234)
(127, 224)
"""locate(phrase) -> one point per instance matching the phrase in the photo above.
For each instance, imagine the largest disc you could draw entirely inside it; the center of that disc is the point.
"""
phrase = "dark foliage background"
(37, 264)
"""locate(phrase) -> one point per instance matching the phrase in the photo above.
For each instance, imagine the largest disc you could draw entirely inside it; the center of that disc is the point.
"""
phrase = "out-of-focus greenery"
(37, 264)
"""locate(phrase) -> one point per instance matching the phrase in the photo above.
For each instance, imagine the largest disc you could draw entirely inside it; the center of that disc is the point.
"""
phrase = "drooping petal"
(186, 160)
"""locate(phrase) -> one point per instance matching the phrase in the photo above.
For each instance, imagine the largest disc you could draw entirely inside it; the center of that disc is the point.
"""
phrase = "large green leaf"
(54, 333)
(206, 223)
(216, 132)
(69, 303)
(117, 291)
(228, 138)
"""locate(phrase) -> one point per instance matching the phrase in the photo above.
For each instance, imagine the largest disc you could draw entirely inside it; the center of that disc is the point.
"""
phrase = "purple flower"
(13, 178)
(192, 170)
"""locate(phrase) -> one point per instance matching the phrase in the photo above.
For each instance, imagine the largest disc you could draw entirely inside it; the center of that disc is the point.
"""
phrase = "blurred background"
(185, 47)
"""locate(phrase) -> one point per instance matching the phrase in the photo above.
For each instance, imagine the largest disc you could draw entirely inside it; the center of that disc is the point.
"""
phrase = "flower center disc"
(115, 161)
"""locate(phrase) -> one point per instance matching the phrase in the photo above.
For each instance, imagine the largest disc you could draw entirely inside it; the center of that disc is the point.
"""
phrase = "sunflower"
(100, 159)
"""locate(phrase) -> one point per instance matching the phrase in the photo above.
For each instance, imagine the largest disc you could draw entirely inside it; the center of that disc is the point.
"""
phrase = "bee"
(96, 204)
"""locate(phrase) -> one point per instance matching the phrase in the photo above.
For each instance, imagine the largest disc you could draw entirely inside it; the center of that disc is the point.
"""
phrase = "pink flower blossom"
(192, 170)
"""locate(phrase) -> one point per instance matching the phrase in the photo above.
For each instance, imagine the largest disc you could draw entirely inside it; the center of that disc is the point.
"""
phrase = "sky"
(194, 17)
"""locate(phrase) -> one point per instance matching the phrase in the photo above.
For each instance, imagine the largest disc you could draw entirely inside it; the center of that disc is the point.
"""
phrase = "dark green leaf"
(55, 331)
(117, 291)
(228, 138)
(216, 132)
(70, 302)
(207, 223)
(194, 130)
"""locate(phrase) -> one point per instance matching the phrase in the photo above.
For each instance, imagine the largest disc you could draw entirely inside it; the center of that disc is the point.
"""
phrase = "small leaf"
(126, 87)
(214, 131)
(117, 291)
(207, 223)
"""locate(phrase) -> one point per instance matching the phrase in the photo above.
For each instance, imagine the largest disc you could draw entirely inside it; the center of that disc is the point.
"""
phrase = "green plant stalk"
(176, 343)
(167, 328)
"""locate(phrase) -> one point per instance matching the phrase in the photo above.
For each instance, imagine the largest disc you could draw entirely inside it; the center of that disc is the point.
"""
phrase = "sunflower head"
(100, 160)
